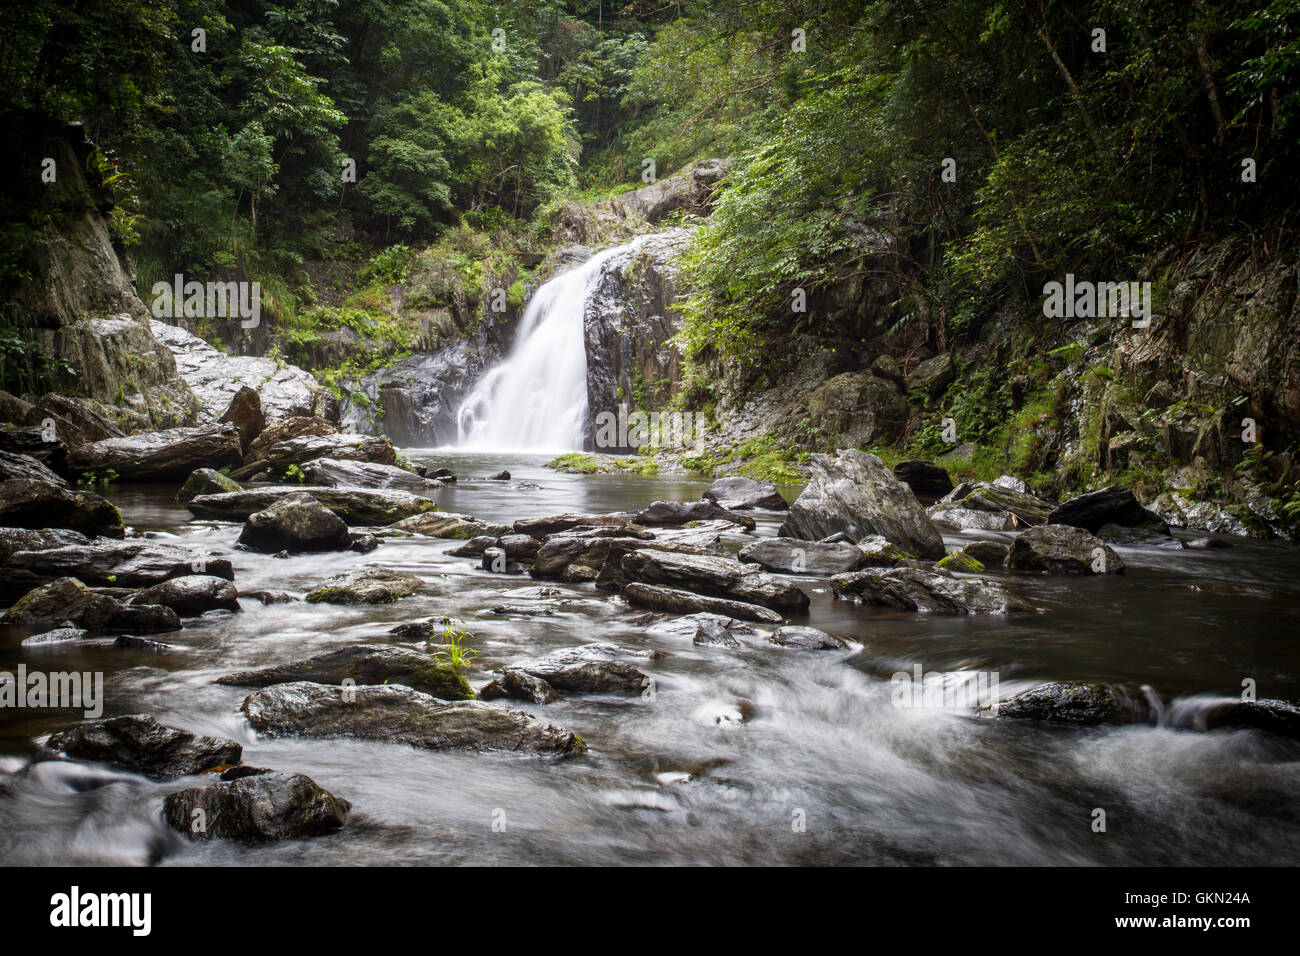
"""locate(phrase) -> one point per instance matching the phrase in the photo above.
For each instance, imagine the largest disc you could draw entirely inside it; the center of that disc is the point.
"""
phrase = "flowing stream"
(679, 778)
(535, 400)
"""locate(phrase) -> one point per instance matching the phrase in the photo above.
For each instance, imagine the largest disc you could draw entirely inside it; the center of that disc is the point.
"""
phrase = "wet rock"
(305, 448)
(127, 642)
(857, 494)
(60, 635)
(440, 524)
(339, 473)
(1062, 549)
(1114, 534)
(160, 456)
(245, 413)
(879, 553)
(674, 513)
(596, 668)
(928, 481)
(986, 552)
(474, 547)
(933, 375)
(560, 553)
(807, 638)
(968, 519)
(742, 494)
(794, 556)
(25, 503)
(191, 595)
(541, 527)
(394, 713)
(520, 547)
(140, 744)
(356, 506)
(886, 367)
(1111, 505)
(26, 468)
(959, 561)
(297, 524)
(713, 633)
(713, 577)
(36, 539)
(269, 597)
(1024, 508)
(1207, 543)
(522, 610)
(494, 560)
(363, 664)
(930, 591)
(1011, 483)
(67, 599)
(256, 808)
(206, 481)
(287, 429)
(1073, 702)
(365, 586)
(677, 601)
(516, 684)
(1271, 716)
(856, 409)
(499, 476)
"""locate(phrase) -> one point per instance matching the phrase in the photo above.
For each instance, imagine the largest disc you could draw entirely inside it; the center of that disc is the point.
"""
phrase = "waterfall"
(535, 399)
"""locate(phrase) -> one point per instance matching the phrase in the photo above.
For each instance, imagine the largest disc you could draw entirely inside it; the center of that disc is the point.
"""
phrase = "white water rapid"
(535, 399)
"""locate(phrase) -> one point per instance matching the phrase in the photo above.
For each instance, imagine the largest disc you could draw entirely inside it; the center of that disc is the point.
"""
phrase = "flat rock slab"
(936, 592)
(713, 577)
(36, 539)
(365, 586)
(596, 668)
(440, 524)
(678, 513)
(856, 493)
(738, 493)
(356, 506)
(129, 564)
(806, 638)
(677, 601)
(139, 743)
(160, 456)
(795, 556)
(551, 524)
(363, 664)
(15, 465)
(394, 713)
(257, 808)
(341, 473)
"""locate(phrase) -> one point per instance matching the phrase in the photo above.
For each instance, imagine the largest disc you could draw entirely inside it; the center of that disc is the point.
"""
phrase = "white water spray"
(536, 398)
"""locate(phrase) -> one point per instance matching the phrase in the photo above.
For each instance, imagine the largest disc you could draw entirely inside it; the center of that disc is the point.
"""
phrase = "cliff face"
(70, 292)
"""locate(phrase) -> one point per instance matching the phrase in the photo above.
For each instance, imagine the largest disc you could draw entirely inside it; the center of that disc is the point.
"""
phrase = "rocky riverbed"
(488, 661)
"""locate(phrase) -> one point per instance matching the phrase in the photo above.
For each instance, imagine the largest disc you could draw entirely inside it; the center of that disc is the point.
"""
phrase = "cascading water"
(536, 398)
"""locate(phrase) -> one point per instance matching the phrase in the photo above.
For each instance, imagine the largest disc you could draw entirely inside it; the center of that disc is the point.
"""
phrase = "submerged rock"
(677, 601)
(295, 523)
(1061, 549)
(1272, 716)
(139, 743)
(1074, 702)
(795, 556)
(714, 577)
(917, 589)
(25, 503)
(160, 456)
(363, 664)
(857, 494)
(394, 713)
(257, 808)
(365, 586)
(60, 635)
(736, 493)
(191, 595)
(68, 600)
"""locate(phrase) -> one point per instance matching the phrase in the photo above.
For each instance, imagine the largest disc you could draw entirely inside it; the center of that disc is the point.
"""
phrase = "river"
(824, 769)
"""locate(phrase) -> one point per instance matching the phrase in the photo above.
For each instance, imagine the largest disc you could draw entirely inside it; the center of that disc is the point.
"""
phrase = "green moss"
(576, 463)
(958, 561)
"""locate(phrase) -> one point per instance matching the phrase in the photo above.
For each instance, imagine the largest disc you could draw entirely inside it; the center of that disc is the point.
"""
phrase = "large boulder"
(394, 713)
(245, 413)
(298, 451)
(677, 601)
(919, 589)
(190, 595)
(365, 586)
(794, 556)
(933, 375)
(25, 503)
(928, 481)
(295, 426)
(1111, 505)
(26, 468)
(1062, 549)
(256, 808)
(356, 506)
(295, 523)
(856, 494)
(857, 408)
(676, 513)
(338, 472)
(126, 564)
(713, 576)
(364, 664)
(67, 599)
(160, 456)
(139, 743)
(741, 494)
